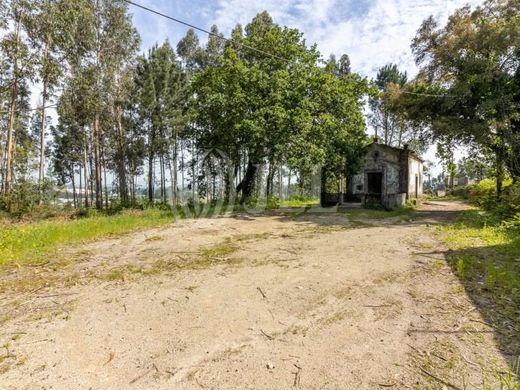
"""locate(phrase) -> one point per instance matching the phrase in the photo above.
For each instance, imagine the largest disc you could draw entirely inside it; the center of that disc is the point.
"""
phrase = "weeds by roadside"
(32, 243)
(484, 253)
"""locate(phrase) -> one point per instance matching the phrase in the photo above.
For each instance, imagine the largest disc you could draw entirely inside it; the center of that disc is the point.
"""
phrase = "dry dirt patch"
(256, 302)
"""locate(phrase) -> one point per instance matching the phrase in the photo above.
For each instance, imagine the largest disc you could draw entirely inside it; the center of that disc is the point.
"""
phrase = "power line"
(204, 30)
(238, 43)
(28, 109)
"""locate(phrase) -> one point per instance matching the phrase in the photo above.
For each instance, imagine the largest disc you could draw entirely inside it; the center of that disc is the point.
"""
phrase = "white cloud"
(372, 33)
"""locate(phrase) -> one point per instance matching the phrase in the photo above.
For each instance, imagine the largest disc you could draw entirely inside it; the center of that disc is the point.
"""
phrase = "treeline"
(236, 118)
(230, 119)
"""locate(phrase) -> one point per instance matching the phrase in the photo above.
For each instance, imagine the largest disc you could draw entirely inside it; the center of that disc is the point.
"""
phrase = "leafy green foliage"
(468, 86)
(483, 194)
(283, 110)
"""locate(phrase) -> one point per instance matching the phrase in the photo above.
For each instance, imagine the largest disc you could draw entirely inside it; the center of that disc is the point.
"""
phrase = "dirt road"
(267, 302)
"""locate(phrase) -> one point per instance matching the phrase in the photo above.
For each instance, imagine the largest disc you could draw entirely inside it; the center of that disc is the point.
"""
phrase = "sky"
(372, 32)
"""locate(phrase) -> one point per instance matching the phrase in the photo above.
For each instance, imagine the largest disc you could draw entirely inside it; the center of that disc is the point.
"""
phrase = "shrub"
(483, 194)
(512, 225)
(21, 200)
(273, 202)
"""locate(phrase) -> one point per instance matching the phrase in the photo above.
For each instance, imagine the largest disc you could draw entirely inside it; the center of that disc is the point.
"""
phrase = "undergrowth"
(484, 252)
(30, 243)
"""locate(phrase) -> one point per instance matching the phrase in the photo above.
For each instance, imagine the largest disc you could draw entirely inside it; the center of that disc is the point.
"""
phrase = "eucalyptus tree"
(386, 121)
(119, 74)
(75, 110)
(161, 89)
(56, 32)
(17, 69)
(190, 51)
(114, 43)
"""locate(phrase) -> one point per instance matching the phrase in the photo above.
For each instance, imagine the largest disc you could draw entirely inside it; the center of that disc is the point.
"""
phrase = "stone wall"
(399, 169)
(378, 159)
(415, 176)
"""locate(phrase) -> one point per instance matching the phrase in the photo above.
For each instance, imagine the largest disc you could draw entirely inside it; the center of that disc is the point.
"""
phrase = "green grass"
(483, 247)
(300, 202)
(485, 255)
(486, 252)
(30, 243)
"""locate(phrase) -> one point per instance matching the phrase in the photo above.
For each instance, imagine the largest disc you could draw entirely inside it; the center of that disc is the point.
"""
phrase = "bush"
(273, 202)
(512, 225)
(21, 200)
(483, 194)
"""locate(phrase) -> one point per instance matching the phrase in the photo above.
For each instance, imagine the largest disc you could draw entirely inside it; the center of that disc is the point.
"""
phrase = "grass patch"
(218, 251)
(485, 255)
(31, 243)
(485, 252)
(221, 253)
(300, 202)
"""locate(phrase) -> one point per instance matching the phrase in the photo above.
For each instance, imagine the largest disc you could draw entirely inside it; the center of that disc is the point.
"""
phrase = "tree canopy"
(265, 105)
(467, 87)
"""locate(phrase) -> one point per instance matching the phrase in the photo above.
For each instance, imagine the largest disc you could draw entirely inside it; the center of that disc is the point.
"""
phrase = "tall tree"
(115, 40)
(465, 89)
(56, 31)
(387, 123)
(161, 86)
(17, 69)
(273, 109)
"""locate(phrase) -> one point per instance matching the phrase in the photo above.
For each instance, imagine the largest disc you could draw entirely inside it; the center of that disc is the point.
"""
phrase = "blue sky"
(371, 32)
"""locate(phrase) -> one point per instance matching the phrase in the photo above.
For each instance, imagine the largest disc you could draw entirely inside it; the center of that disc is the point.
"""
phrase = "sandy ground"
(254, 302)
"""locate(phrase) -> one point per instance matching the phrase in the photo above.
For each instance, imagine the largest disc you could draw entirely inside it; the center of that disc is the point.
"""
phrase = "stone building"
(387, 176)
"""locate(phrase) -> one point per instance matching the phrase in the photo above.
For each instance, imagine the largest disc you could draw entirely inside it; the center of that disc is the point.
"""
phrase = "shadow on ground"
(430, 213)
(490, 275)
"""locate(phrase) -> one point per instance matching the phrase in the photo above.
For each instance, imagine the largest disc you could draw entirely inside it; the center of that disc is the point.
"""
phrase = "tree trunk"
(121, 168)
(175, 173)
(105, 177)
(247, 185)
(289, 186)
(9, 165)
(172, 189)
(132, 187)
(151, 158)
(73, 188)
(193, 178)
(163, 178)
(270, 180)
(97, 163)
(85, 170)
(182, 173)
(150, 178)
(80, 186)
(385, 124)
(41, 174)
(500, 171)
(91, 175)
(10, 142)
